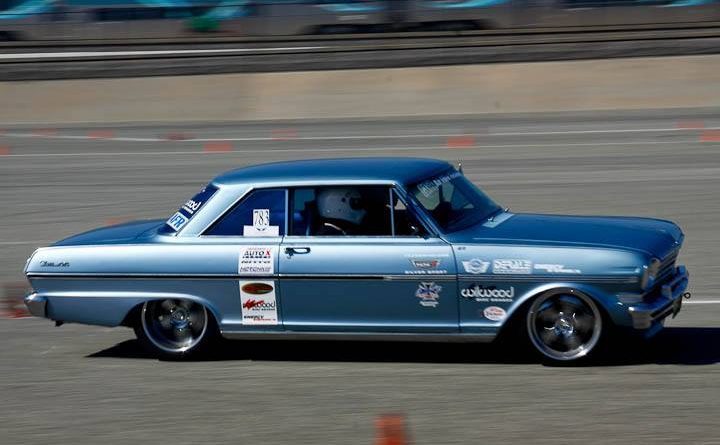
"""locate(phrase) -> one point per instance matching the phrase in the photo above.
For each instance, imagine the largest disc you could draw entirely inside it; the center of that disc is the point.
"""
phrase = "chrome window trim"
(392, 212)
(392, 186)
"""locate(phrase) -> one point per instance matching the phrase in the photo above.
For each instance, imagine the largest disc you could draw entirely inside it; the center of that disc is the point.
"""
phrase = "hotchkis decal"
(429, 294)
(476, 266)
(256, 261)
(556, 268)
(257, 299)
(489, 294)
(177, 221)
(261, 225)
(512, 267)
(494, 313)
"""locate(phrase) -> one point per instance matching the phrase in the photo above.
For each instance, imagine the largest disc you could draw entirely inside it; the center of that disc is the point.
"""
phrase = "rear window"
(188, 210)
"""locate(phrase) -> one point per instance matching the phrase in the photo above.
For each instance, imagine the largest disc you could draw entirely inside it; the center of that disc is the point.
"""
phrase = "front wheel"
(565, 326)
(175, 328)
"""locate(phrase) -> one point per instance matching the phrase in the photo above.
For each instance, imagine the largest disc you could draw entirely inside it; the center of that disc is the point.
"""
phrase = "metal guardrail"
(575, 31)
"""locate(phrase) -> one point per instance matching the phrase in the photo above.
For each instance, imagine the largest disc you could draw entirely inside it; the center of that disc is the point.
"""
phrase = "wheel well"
(133, 316)
(517, 318)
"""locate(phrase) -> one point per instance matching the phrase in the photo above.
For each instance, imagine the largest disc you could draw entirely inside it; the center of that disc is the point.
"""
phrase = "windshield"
(453, 201)
(188, 210)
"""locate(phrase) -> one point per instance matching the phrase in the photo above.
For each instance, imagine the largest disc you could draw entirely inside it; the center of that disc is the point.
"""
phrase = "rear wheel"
(565, 326)
(175, 328)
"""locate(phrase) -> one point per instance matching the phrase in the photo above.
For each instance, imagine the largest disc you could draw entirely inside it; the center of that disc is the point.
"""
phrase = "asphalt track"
(87, 385)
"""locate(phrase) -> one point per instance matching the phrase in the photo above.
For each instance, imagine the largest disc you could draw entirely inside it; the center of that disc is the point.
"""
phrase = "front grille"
(667, 267)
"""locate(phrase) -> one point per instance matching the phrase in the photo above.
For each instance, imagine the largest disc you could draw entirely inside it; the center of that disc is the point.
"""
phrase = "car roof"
(395, 169)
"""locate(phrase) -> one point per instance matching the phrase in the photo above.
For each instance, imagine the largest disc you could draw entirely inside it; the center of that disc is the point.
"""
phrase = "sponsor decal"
(512, 267)
(256, 260)
(258, 303)
(426, 272)
(429, 294)
(177, 221)
(426, 264)
(257, 288)
(556, 268)
(494, 313)
(54, 264)
(425, 267)
(476, 266)
(489, 294)
(427, 188)
(261, 225)
(427, 255)
(192, 206)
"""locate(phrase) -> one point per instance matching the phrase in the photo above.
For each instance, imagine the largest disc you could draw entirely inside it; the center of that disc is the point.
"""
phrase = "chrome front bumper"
(36, 305)
(667, 301)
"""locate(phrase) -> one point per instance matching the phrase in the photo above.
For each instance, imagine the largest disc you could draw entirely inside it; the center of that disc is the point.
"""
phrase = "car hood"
(651, 236)
(135, 232)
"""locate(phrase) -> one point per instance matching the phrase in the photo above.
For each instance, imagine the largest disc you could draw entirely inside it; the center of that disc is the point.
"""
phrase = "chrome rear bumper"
(667, 301)
(36, 305)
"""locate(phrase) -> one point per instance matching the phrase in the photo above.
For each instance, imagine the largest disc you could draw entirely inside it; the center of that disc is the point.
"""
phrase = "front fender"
(607, 299)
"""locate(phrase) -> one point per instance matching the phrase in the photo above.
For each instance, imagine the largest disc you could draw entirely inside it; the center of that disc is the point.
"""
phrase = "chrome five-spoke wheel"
(173, 327)
(564, 326)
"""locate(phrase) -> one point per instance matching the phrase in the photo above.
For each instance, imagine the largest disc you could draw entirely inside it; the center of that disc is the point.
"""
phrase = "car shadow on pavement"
(673, 346)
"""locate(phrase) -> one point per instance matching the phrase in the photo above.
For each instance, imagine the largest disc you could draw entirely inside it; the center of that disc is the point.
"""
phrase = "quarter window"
(261, 213)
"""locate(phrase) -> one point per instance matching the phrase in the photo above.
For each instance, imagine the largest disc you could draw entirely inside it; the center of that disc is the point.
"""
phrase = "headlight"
(649, 274)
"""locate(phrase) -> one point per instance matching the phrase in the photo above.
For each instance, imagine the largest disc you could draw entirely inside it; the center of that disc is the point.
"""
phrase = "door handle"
(297, 250)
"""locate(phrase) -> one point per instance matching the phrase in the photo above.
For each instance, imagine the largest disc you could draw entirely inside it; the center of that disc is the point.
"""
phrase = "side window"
(341, 211)
(405, 222)
(261, 213)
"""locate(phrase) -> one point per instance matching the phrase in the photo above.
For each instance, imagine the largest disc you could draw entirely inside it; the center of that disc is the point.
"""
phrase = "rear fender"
(108, 308)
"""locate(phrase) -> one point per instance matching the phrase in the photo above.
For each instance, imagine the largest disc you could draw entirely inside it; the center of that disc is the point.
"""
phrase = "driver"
(342, 211)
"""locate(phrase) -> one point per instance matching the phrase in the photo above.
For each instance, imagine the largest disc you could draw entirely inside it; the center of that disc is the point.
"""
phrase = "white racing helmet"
(344, 204)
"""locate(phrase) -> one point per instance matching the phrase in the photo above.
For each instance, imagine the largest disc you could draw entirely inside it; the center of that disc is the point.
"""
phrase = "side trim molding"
(358, 336)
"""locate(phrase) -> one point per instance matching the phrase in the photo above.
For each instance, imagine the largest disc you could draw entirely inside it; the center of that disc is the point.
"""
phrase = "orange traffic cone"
(390, 430)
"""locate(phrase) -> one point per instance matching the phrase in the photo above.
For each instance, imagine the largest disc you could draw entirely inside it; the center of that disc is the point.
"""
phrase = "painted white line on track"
(348, 149)
(82, 137)
(701, 302)
(601, 131)
(85, 54)
(358, 137)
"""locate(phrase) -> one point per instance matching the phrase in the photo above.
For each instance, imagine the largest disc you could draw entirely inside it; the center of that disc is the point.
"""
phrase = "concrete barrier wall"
(682, 82)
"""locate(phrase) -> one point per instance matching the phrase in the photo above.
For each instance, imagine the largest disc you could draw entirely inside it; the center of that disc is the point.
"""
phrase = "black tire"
(175, 329)
(565, 326)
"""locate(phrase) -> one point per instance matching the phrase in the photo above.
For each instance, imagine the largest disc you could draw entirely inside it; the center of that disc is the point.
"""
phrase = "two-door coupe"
(365, 248)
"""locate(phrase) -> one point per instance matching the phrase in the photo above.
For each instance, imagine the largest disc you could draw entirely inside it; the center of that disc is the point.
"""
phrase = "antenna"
(460, 167)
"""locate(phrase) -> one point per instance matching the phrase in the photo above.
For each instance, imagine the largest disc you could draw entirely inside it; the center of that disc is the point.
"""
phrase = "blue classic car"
(371, 248)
